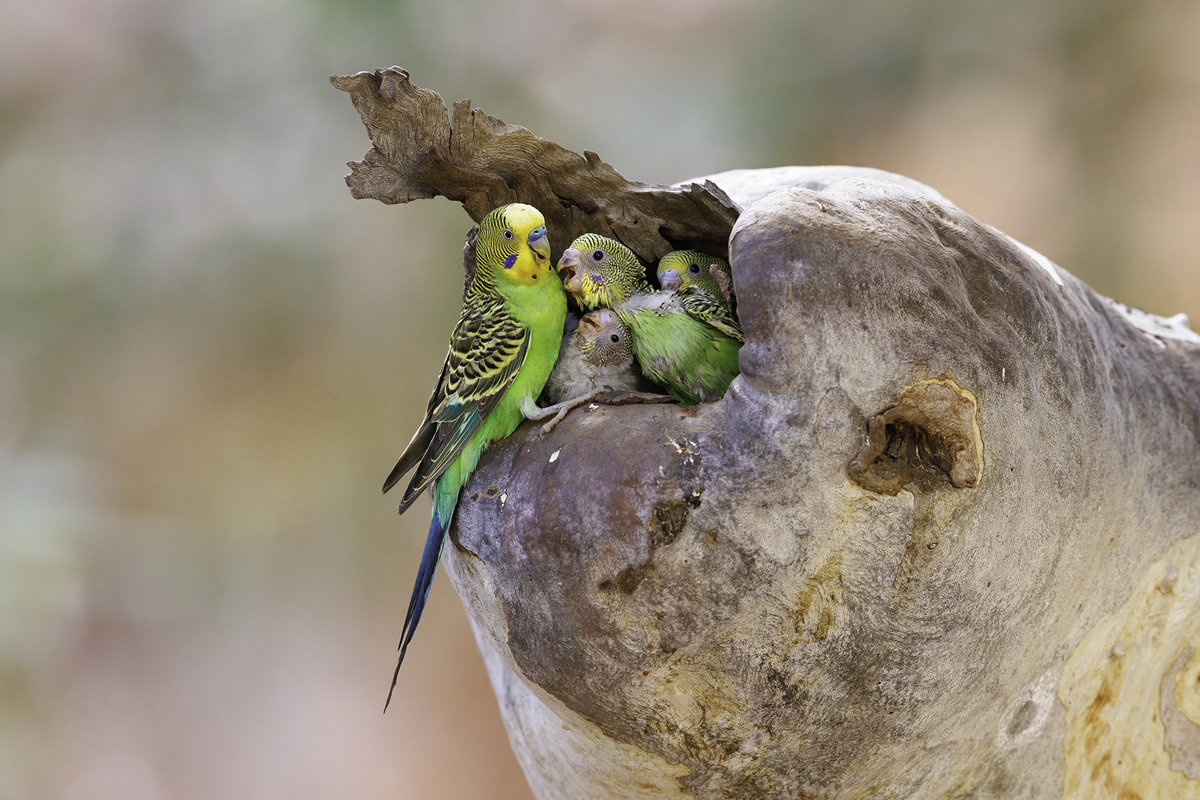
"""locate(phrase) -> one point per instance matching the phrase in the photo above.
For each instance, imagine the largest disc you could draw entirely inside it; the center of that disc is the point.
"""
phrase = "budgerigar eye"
(507, 233)
(612, 337)
(597, 255)
(694, 269)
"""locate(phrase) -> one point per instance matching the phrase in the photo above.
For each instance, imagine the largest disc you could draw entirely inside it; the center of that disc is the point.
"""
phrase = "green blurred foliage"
(210, 354)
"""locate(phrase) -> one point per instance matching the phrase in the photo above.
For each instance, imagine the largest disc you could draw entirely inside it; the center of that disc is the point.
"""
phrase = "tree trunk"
(940, 539)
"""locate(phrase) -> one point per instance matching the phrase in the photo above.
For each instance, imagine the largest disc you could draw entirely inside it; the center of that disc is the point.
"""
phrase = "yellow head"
(600, 272)
(512, 245)
(682, 268)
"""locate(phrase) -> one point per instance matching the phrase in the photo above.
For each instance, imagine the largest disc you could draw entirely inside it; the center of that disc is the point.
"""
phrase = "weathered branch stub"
(940, 539)
(482, 162)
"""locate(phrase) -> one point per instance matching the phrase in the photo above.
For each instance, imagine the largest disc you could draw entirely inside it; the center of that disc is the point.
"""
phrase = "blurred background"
(210, 355)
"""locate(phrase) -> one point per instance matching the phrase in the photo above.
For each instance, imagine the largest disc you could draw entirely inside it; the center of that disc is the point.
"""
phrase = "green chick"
(682, 268)
(501, 352)
(684, 340)
(598, 275)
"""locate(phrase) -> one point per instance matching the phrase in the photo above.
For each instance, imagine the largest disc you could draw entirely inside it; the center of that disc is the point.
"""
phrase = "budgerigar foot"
(559, 411)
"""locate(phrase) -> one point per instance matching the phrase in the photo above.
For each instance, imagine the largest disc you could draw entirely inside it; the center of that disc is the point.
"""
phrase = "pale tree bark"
(940, 539)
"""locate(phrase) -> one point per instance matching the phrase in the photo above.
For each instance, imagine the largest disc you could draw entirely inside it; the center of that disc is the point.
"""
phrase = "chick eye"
(694, 269)
(597, 255)
(507, 233)
(612, 337)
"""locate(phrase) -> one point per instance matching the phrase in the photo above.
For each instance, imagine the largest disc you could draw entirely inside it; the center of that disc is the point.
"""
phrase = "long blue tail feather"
(416, 604)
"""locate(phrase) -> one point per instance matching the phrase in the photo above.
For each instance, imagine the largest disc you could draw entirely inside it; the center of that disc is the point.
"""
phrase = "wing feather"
(487, 349)
(699, 305)
(416, 448)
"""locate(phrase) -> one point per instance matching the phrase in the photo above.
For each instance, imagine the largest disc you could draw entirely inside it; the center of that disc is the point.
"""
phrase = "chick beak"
(589, 324)
(669, 279)
(539, 242)
(569, 267)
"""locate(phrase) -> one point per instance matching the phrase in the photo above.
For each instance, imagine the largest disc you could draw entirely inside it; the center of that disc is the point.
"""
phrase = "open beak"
(594, 321)
(569, 268)
(588, 323)
(539, 242)
(669, 279)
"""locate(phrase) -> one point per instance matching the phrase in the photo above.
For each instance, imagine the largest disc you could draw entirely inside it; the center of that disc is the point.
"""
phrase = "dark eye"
(507, 233)
(694, 269)
(612, 337)
(597, 255)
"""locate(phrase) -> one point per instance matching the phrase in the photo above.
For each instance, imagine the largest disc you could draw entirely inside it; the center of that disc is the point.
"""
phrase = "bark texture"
(940, 539)
(481, 162)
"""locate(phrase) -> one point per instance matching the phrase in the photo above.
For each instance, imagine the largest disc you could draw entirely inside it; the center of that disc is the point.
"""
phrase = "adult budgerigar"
(684, 340)
(682, 268)
(598, 353)
(501, 352)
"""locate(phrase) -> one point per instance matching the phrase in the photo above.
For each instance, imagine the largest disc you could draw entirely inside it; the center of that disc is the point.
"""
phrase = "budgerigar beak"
(596, 320)
(669, 279)
(569, 268)
(540, 242)
(588, 323)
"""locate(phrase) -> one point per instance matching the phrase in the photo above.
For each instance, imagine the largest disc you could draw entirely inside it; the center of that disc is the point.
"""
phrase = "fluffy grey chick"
(597, 353)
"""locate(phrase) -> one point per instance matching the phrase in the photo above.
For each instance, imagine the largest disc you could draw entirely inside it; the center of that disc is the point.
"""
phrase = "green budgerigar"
(682, 268)
(599, 275)
(501, 352)
(597, 354)
(684, 340)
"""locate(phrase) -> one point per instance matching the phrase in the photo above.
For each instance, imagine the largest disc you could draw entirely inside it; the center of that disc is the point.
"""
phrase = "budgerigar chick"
(682, 268)
(600, 276)
(597, 354)
(684, 340)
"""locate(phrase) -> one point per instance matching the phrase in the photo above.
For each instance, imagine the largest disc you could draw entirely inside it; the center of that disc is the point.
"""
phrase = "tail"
(416, 604)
